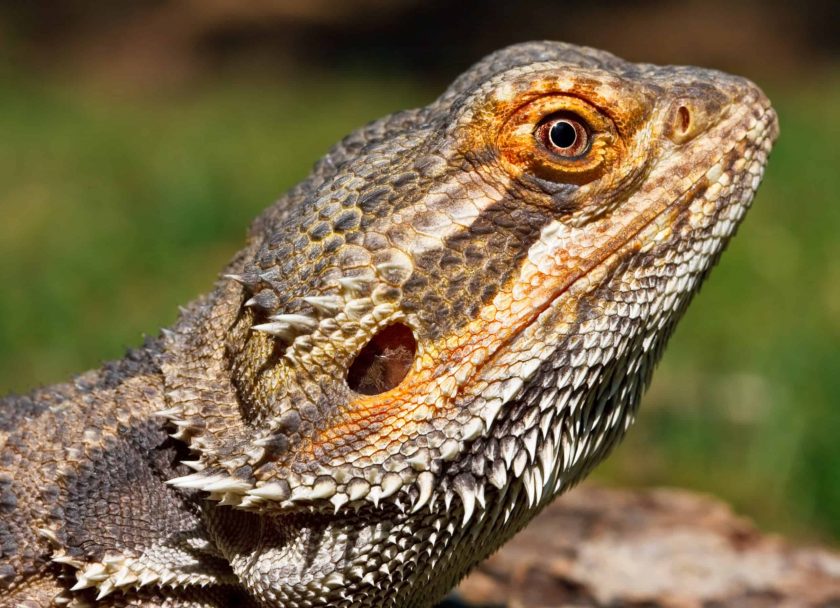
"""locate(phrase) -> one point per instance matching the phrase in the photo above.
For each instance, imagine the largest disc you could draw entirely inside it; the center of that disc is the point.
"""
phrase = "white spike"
(104, 589)
(250, 502)
(48, 534)
(358, 489)
(510, 388)
(530, 441)
(82, 582)
(498, 474)
(420, 461)
(328, 305)
(339, 500)
(233, 500)
(270, 491)
(547, 457)
(479, 497)
(194, 481)
(124, 577)
(539, 486)
(519, 462)
(195, 465)
(390, 484)
(508, 448)
(235, 277)
(447, 498)
(301, 493)
(148, 577)
(425, 484)
(352, 284)
(375, 495)
(464, 485)
(167, 577)
(68, 560)
(474, 428)
(324, 488)
(296, 322)
(227, 484)
(96, 572)
(167, 413)
(490, 410)
(449, 449)
(281, 330)
(528, 482)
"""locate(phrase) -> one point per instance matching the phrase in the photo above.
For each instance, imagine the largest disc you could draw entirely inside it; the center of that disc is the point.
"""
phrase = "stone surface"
(658, 548)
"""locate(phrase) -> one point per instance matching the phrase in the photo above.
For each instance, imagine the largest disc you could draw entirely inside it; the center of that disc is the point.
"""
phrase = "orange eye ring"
(559, 138)
(564, 135)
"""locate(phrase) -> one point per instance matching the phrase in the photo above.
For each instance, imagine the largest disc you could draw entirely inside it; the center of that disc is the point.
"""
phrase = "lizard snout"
(699, 106)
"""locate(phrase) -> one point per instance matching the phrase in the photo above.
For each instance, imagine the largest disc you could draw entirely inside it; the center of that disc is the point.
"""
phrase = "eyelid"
(523, 153)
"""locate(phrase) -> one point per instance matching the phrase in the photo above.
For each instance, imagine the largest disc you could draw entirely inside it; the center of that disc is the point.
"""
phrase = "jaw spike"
(352, 285)
(390, 484)
(425, 483)
(299, 323)
(327, 305)
(288, 326)
(249, 281)
(235, 277)
(279, 330)
(465, 486)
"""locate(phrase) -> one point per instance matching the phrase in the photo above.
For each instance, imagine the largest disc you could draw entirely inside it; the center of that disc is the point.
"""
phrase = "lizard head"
(457, 312)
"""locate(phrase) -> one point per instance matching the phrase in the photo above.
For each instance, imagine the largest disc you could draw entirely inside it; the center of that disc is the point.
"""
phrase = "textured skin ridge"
(239, 460)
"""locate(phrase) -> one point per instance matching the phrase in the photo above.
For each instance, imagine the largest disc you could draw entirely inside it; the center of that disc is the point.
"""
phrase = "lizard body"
(447, 324)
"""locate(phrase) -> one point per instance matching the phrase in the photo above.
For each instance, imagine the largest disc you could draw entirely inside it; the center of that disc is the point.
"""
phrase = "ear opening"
(384, 361)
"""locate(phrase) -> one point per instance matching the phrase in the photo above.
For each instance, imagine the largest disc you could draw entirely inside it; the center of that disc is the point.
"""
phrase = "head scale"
(453, 318)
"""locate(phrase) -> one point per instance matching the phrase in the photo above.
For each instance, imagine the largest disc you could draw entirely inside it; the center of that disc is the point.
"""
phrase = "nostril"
(683, 124)
(683, 119)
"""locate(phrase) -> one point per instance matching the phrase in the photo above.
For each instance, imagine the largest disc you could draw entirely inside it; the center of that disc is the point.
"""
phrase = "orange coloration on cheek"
(465, 353)
(382, 411)
(508, 129)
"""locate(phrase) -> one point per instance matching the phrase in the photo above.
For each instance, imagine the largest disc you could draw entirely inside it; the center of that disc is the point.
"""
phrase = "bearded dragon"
(443, 327)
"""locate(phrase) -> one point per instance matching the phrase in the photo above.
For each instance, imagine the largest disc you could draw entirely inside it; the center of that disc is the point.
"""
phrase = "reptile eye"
(384, 361)
(566, 136)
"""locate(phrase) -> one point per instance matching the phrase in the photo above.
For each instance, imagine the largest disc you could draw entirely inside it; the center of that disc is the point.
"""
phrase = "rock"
(656, 548)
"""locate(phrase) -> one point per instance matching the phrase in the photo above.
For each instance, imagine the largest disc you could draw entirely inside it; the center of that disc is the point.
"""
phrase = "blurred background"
(138, 139)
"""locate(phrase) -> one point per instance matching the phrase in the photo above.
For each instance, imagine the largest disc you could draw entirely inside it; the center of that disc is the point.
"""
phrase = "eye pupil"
(564, 137)
(562, 134)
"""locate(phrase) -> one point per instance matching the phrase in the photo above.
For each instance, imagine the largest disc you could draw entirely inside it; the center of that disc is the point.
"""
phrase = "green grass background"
(116, 208)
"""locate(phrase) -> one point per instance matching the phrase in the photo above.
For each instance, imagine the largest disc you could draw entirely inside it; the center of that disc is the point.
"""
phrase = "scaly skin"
(520, 288)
